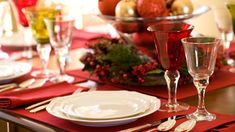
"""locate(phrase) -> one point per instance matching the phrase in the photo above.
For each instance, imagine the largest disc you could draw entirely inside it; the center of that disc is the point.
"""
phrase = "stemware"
(170, 53)
(20, 4)
(224, 24)
(60, 33)
(201, 55)
(35, 16)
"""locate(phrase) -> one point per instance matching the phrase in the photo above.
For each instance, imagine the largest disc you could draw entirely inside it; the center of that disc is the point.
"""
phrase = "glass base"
(202, 116)
(44, 74)
(62, 78)
(165, 107)
(229, 62)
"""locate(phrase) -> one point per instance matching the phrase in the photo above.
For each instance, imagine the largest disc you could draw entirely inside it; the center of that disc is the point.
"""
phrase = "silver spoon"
(167, 125)
(186, 126)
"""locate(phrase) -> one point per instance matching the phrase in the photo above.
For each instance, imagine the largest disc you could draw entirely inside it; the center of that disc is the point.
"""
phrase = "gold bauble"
(126, 8)
(181, 7)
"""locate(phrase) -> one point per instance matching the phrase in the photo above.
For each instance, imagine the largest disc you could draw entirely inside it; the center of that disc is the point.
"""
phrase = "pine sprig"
(122, 58)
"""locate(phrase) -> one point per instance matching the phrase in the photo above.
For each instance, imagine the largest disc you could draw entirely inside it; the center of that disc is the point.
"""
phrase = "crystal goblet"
(36, 17)
(60, 33)
(170, 53)
(200, 55)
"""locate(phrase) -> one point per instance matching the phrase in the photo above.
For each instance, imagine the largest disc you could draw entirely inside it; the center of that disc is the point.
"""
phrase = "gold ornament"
(182, 7)
(126, 8)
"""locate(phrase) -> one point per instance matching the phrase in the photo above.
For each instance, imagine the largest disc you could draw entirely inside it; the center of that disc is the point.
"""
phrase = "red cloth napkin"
(13, 99)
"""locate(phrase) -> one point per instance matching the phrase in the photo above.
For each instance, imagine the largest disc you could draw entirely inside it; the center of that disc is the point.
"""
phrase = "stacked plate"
(103, 108)
(12, 69)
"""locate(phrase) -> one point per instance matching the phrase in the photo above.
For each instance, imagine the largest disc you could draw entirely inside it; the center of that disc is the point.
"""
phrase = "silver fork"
(34, 108)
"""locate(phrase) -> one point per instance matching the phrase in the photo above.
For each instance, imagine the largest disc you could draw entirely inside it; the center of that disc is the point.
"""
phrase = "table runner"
(220, 79)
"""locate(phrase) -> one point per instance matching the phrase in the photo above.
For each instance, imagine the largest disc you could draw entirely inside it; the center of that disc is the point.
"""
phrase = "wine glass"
(167, 38)
(35, 17)
(200, 55)
(224, 24)
(60, 33)
(20, 4)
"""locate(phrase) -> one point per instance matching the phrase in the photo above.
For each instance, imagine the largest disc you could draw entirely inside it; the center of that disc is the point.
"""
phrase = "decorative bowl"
(133, 29)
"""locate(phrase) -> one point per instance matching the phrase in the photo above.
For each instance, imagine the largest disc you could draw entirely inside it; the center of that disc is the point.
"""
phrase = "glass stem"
(201, 85)
(44, 54)
(226, 48)
(62, 54)
(172, 78)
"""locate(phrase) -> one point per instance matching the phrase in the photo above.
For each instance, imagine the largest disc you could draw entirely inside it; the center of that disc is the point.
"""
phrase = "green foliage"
(122, 58)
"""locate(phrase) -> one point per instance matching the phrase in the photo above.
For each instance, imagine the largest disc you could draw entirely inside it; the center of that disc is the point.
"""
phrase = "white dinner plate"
(11, 69)
(104, 105)
(55, 106)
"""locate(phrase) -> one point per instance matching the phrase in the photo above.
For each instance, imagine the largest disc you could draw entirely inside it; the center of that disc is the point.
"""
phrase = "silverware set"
(27, 84)
(165, 125)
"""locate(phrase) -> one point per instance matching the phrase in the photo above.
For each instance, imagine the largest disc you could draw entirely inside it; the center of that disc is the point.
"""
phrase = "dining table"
(219, 99)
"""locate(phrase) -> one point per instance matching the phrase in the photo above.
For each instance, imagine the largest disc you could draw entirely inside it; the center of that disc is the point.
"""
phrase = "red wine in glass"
(20, 4)
(170, 52)
(168, 45)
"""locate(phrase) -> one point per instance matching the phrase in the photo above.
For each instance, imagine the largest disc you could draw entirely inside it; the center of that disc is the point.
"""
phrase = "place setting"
(107, 108)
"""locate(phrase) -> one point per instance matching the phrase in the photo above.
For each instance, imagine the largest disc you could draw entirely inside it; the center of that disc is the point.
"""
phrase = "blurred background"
(83, 11)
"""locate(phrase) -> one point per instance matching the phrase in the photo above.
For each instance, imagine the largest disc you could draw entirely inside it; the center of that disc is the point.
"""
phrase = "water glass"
(200, 55)
(60, 33)
(36, 17)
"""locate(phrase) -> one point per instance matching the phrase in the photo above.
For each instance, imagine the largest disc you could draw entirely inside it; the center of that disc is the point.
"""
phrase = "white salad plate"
(103, 105)
(11, 69)
(121, 107)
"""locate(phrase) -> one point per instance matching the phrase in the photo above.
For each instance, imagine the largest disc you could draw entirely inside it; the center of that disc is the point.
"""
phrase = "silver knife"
(150, 125)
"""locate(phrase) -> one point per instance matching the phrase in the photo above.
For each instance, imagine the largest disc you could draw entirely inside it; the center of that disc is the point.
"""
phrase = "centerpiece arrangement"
(131, 58)
(115, 61)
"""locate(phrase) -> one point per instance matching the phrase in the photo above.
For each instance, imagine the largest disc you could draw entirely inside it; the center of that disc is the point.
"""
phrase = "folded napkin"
(13, 99)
